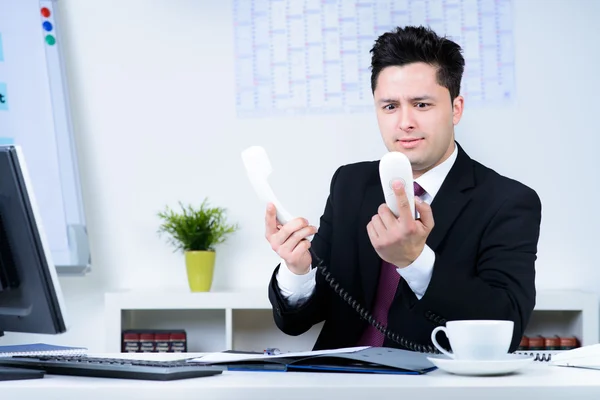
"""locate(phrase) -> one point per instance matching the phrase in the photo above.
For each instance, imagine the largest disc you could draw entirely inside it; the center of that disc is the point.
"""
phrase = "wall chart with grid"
(312, 56)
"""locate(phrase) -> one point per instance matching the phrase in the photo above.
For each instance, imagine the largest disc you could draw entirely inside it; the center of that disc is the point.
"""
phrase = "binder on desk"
(372, 360)
(40, 349)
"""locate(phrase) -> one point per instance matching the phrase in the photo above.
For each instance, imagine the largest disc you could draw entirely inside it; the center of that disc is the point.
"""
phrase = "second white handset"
(396, 166)
(258, 168)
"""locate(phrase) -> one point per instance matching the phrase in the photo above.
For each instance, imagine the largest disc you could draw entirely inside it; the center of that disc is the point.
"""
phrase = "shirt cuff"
(418, 274)
(295, 288)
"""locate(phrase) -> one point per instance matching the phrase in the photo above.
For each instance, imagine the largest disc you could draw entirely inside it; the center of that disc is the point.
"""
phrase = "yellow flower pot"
(200, 266)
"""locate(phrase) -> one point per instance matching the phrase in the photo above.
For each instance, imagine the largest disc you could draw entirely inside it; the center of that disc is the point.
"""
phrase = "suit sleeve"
(503, 286)
(297, 320)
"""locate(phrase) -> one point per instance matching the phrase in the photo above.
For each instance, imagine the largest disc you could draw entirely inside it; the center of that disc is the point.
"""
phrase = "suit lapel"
(451, 198)
(369, 260)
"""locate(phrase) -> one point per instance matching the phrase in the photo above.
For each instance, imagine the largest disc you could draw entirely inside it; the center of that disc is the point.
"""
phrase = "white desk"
(539, 381)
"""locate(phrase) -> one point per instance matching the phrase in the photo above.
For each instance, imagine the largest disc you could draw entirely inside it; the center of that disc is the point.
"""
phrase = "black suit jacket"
(485, 242)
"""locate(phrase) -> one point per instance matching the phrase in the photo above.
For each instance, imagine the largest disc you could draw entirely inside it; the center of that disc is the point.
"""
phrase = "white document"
(582, 357)
(213, 358)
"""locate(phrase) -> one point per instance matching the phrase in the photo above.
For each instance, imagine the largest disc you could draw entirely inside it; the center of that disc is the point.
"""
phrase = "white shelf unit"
(566, 312)
(218, 321)
(214, 321)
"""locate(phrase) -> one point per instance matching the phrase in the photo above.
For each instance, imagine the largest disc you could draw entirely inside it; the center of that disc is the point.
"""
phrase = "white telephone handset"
(258, 168)
(396, 166)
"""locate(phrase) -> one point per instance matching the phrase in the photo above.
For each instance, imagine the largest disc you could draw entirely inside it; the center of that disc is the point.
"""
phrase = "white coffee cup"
(476, 339)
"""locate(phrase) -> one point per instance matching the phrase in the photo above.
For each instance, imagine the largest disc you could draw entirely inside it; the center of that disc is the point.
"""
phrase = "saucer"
(506, 365)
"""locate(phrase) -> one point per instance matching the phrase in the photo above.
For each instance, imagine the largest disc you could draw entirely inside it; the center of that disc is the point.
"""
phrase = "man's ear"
(457, 109)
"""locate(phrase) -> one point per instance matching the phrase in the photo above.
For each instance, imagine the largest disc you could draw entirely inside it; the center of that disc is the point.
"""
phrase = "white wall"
(153, 100)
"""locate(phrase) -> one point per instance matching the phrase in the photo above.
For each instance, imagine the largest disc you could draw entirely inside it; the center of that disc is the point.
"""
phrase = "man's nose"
(407, 120)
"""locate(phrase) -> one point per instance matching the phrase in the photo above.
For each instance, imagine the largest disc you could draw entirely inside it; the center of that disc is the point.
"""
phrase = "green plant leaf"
(195, 228)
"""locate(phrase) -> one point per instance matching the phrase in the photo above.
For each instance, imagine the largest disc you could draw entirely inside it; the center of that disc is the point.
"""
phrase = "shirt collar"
(432, 180)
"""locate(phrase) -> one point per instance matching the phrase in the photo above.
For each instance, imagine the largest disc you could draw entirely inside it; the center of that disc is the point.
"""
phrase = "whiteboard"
(34, 113)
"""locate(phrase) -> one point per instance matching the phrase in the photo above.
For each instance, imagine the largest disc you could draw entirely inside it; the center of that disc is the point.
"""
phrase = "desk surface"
(540, 380)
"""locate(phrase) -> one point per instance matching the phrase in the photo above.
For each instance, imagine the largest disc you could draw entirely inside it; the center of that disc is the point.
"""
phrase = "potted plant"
(196, 231)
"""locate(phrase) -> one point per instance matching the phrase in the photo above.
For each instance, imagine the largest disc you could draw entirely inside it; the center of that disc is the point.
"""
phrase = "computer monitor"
(30, 296)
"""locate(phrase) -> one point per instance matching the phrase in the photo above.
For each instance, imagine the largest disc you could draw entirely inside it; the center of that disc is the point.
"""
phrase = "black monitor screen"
(30, 297)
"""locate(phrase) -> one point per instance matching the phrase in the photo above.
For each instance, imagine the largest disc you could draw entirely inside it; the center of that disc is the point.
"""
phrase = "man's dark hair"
(412, 44)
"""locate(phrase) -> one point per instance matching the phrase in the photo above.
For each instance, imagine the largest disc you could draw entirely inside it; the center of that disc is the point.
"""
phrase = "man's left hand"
(401, 240)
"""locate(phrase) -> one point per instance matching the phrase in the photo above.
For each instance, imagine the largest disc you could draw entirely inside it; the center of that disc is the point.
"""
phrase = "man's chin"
(416, 156)
(417, 161)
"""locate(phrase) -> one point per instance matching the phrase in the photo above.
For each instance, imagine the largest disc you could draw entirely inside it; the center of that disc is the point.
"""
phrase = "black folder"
(372, 360)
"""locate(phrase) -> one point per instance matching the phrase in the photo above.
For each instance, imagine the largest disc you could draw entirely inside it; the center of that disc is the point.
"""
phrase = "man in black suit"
(470, 254)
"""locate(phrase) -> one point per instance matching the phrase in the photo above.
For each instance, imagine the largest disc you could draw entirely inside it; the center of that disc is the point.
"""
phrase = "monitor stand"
(14, 374)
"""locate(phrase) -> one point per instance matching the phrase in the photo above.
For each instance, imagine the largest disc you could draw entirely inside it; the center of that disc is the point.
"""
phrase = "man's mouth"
(410, 143)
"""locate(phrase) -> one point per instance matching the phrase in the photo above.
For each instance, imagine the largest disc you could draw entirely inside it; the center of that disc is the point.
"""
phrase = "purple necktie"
(386, 290)
(419, 191)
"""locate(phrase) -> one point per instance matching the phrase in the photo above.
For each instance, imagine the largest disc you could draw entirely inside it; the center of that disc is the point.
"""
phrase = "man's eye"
(421, 105)
(389, 107)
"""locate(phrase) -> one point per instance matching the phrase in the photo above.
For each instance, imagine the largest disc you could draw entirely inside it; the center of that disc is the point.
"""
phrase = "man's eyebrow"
(415, 99)
(421, 98)
(387, 100)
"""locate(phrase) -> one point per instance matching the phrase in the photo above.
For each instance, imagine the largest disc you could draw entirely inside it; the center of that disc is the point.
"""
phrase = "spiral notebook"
(540, 355)
(40, 349)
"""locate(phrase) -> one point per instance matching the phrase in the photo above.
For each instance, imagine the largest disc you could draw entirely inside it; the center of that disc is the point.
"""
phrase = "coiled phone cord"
(365, 314)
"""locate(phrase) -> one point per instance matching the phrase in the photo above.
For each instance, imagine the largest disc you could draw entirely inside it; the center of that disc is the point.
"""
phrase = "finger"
(292, 241)
(378, 225)
(425, 213)
(372, 234)
(288, 229)
(387, 216)
(271, 220)
(300, 249)
(402, 201)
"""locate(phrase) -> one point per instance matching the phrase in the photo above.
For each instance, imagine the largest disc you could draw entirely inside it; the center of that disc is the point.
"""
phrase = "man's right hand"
(289, 241)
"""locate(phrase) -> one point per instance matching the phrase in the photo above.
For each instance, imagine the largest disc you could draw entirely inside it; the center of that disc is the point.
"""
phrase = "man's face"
(415, 114)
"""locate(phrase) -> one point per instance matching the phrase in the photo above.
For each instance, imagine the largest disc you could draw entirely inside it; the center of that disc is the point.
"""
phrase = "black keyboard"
(112, 367)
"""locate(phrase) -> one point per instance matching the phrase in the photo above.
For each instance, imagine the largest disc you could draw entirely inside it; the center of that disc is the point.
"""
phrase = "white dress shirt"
(298, 288)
